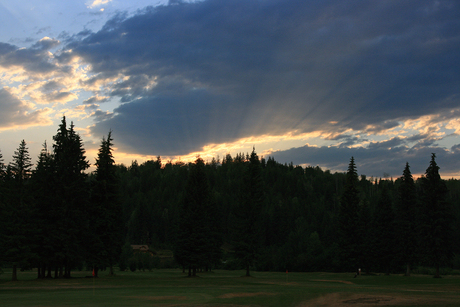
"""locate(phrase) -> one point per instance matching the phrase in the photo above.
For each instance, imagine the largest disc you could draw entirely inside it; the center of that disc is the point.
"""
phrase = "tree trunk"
(43, 270)
(111, 270)
(39, 271)
(189, 271)
(436, 274)
(407, 270)
(15, 272)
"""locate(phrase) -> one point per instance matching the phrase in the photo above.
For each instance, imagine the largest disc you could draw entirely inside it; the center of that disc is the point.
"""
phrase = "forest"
(241, 212)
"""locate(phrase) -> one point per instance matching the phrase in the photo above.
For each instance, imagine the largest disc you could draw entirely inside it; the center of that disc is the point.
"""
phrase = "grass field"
(229, 288)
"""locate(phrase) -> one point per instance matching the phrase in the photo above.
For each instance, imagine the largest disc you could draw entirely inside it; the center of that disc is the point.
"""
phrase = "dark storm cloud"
(34, 60)
(245, 67)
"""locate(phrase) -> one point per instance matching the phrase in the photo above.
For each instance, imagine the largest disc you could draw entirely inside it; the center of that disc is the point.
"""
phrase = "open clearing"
(229, 288)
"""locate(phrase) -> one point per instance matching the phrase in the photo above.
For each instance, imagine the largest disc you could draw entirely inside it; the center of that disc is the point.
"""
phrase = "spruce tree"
(247, 233)
(348, 221)
(72, 195)
(43, 184)
(435, 219)
(192, 245)
(406, 219)
(105, 214)
(2, 167)
(383, 234)
(21, 166)
(18, 211)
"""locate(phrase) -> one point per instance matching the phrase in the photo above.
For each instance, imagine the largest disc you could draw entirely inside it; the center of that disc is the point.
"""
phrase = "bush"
(132, 262)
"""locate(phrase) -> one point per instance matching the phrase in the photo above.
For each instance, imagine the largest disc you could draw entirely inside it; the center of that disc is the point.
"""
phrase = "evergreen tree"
(406, 212)
(383, 246)
(71, 195)
(349, 224)
(435, 219)
(21, 166)
(18, 211)
(247, 232)
(2, 167)
(43, 183)
(105, 214)
(192, 244)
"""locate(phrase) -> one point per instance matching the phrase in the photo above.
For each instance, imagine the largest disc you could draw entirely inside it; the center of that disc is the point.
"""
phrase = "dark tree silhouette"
(17, 215)
(247, 230)
(435, 219)
(349, 223)
(192, 244)
(71, 194)
(406, 218)
(105, 238)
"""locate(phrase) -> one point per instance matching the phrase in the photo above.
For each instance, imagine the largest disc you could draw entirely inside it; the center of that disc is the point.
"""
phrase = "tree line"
(239, 212)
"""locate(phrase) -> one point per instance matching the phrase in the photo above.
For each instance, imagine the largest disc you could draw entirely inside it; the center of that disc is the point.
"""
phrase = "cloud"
(96, 3)
(17, 114)
(375, 78)
(377, 160)
(273, 67)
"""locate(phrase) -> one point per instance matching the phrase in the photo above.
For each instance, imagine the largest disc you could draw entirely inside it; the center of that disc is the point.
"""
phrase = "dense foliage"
(241, 212)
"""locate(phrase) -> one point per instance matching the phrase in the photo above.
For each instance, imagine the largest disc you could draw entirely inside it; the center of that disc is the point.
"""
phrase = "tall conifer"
(18, 210)
(247, 232)
(406, 215)
(435, 219)
(191, 246)
(349, 224)
(383, 246)
(72, 194)
(105, 214)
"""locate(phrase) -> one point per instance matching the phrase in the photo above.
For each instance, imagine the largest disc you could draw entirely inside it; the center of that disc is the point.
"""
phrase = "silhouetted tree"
(43, 183)
(247, 230)
(71, 193)
(435, 219)
(105, 238)
(406, 215)
(17, 211)
(349, 223)
(192, 244)
(383, 246)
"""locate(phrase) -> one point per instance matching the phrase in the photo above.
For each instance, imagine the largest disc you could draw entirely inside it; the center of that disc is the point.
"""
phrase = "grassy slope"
(228, 288)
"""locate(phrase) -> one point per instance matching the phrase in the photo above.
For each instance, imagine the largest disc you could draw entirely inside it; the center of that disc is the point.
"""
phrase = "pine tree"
(2, 167)
(435, 219)
(43, 183)
(105, 214)
(18, 210)
(349, 224)
(71, 195)
(21, 166)
(247, 233)
(406, 214)
(383, 246)
(192, 246)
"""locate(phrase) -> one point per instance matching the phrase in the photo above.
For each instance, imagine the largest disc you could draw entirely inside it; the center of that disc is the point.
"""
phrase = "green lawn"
(229, 288)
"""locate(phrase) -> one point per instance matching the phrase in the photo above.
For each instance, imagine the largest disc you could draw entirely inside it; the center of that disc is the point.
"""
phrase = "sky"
(308, 82)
